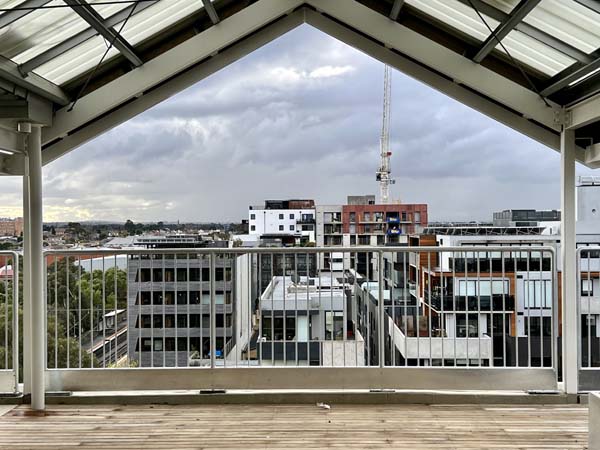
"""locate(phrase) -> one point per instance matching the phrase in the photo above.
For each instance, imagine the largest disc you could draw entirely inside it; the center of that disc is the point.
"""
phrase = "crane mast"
(383, 175)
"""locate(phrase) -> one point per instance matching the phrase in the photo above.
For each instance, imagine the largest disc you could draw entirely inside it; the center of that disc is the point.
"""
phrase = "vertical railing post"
(38, 326)
(213, 313)
(26, 284)
(15, 321)
(570, 344)
(381, 310)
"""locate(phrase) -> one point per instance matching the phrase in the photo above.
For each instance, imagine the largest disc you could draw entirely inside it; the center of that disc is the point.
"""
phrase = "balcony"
(309, 329)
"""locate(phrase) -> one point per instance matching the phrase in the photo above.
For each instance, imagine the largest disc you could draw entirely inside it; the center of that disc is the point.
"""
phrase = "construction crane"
(383, 175)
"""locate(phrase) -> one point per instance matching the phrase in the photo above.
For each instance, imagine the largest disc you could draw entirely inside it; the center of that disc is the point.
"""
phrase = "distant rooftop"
(484, 231)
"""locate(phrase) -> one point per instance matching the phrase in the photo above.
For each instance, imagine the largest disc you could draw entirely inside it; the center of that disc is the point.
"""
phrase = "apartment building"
(525, 217)
(309, 320)
(370, 224)
(169, 304)
(289, 222)
(11, 227)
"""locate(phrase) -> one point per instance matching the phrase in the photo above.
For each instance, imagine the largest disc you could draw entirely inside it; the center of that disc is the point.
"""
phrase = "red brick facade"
(376, 218)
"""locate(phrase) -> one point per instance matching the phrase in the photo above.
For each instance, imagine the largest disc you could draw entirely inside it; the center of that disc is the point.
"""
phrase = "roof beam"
(400, 51)
(128, 95)
(506, 26)
(584, 113)
(556, 84)
(21, 10)
(396, 9)
(531, 31)
(594, 5)
(211, 11)
(9, 71)
(81, 37)
(89, 14)
(439, 58)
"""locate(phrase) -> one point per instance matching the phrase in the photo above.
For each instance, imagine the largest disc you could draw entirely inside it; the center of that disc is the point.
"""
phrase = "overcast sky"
(299, 118)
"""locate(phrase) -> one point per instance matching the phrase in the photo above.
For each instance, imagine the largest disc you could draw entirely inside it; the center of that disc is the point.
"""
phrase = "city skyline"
(277, 124)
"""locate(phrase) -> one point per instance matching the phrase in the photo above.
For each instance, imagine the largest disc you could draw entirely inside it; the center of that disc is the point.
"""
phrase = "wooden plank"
(296, 427)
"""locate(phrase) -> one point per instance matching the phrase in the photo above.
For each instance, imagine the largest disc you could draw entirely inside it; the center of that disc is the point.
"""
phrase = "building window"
(280, 227)
(417, 217)
(252, 216)
(280, 216)
(352, 217)
(334, 325)
(467, 327)
(291, 227)
(587, 288)
(252, 227)
(291, 216)
(367, 217)
(404, 216)
(146, 344)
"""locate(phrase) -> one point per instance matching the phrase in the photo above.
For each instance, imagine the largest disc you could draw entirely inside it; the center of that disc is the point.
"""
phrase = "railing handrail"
(301, 250)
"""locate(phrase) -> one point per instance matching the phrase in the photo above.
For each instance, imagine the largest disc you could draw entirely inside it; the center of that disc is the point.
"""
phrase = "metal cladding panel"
(147, 23)
(38, 31)
(569, 21)
(534, 53)
(106, 10)
(457, 15)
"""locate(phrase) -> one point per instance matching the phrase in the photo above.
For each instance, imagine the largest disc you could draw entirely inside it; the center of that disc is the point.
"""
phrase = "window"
(466, 330)
(146, 344)
(404, 216)
(182, 274)
(352, 217)
(252, 216)
(486, 288)
(587, 288)
(538, 293)
(532, 326)
(280, 216)
(334, 325)
(170, 344)
(291, 227)
(146, 321)
(158, 344)
(182, 344)
(417, 217)
(145, 298)
(291, 216)
(274, 329)
(252, 228)
(367, 217)
(280, 227)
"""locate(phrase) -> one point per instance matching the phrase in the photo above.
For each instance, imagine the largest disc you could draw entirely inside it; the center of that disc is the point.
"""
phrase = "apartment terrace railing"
(9, 321)
(588, 307)
(239, 318)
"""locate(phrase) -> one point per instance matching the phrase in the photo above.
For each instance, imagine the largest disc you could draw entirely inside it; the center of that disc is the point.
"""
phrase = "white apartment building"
(291, 219)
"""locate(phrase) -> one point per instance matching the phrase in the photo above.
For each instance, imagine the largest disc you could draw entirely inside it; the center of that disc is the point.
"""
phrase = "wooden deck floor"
(297, 426)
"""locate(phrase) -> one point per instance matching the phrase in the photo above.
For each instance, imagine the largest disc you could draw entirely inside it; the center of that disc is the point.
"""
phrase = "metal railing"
(588, 311)
(9, 322)
(302, 318)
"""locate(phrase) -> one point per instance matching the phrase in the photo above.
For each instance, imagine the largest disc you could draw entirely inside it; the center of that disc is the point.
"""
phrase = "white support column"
(570, 344)
(38, 326)
(26, 284)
